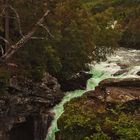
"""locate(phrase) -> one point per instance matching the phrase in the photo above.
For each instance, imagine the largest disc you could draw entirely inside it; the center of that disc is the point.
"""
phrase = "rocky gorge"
(39, 110)
(109, 107)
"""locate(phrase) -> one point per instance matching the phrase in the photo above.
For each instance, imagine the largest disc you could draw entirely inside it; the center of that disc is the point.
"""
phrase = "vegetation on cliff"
(93, 119)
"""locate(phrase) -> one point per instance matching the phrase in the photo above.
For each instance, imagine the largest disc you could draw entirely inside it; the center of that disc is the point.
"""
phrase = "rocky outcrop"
(24, 109)
(78, 81)
(117, 90)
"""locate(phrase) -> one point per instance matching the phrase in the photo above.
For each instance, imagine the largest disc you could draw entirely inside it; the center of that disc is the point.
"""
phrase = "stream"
(124, 60)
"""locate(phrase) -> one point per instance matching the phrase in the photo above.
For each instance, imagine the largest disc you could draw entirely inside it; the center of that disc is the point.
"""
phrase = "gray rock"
(24, 110)
(78, 81)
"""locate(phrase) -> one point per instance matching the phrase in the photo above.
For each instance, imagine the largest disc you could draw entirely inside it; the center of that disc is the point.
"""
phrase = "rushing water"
(128, 59)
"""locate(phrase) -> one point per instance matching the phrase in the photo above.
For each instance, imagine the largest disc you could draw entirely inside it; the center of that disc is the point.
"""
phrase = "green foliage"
(53, 61)
(82, 31)
(84, 119)
(125, 127)
(78, 37)
(77, 121)
(4, 80)
(126, 12)
(100, 135)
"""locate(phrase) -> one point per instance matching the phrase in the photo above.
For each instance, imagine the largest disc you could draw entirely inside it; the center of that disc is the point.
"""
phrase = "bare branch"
(12, 49)
(3, 11)
(17, 16)
(18, 19)
(38, 38)
(8, 17)
(6, 41)
(2, 50)
(46, 28)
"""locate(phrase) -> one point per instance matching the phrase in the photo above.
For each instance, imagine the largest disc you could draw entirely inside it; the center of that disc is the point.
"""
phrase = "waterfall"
(126, 60)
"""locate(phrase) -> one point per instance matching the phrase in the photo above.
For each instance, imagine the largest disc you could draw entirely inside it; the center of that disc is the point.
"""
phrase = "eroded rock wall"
(24, 109)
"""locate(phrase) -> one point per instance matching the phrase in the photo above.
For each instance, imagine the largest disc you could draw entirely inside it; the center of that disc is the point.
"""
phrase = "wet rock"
(78, 81)
(119, 82)
(24, 110)
(117, 90)
(123, 66)
(138, 73)
(120, 72)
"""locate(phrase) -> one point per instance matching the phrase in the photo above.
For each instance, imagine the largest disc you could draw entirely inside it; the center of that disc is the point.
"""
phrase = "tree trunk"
(6, 26)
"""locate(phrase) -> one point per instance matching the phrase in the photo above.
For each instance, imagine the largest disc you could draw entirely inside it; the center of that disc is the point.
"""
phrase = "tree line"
(62, 36)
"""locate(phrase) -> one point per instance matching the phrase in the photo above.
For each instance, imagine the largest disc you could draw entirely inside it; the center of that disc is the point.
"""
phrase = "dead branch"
(2, 50)
(6, 41)
(13, 48)
(17, 17)
(8, 17)
(16, 14)
(3, 11)
(38, 38)
(46, 28)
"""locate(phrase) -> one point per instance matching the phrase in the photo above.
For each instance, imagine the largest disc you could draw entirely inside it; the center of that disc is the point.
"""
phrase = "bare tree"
(6, 28)
(12, 48)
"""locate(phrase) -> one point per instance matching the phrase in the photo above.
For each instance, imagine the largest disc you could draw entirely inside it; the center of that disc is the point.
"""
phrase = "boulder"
(78, 81)
(117, 90)
(123, 66)
(120, 72)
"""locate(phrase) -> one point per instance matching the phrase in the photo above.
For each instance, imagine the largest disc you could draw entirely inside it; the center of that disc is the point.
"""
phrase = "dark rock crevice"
(23, 130)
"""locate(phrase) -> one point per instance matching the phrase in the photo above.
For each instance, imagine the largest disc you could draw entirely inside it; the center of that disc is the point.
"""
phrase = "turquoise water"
(100, 71)
(98, 76)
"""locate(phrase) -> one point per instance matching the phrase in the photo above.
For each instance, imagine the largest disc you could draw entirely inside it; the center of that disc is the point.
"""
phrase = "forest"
(69, 69)
(73, 33)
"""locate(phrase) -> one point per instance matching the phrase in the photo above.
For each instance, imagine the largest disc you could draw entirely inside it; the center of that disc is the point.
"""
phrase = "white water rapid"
(127, 61)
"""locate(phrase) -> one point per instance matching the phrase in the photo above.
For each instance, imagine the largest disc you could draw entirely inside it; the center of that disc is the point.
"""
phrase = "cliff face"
(24, 108)
(109, 112)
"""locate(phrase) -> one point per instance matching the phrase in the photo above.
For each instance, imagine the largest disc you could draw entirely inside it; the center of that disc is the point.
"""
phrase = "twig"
(18, 19)
(8, 17)
(39, 38)
(46, 28)
(6, 41)
(13, 48)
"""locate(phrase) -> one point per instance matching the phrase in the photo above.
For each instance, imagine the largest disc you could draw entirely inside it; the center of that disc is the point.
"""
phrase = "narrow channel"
(125, 61)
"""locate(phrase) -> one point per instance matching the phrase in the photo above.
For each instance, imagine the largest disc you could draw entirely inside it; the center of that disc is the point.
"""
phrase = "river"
(125, 60)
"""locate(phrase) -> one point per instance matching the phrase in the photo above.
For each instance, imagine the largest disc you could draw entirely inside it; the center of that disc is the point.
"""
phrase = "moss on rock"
(92, 119)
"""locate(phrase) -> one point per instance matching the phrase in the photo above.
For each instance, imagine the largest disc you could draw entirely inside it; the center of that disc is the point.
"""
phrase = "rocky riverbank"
(25, 106)
(111, 111)
(78, 81)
